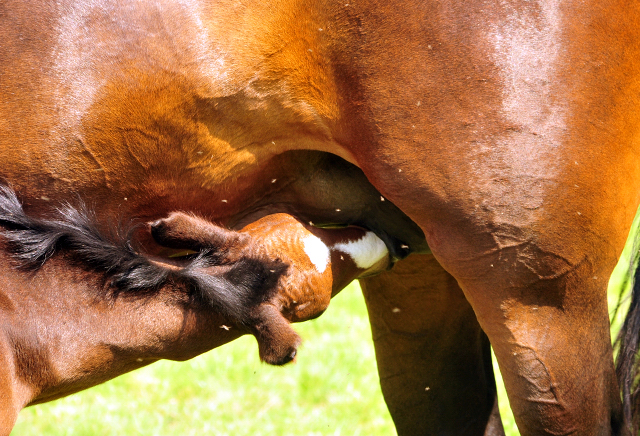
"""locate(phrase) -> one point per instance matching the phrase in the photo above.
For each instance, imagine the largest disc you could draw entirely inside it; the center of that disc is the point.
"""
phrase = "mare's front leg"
(433, 358)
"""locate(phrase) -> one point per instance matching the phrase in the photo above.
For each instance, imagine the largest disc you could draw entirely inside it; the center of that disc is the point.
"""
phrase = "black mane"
(230, 289)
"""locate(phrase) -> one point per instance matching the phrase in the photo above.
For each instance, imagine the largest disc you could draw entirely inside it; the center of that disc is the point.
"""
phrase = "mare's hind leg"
(543, 304)
(434, 360)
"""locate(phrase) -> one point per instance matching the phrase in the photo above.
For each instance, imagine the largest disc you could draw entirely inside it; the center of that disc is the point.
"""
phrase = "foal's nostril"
(283, 360)
(288, 358)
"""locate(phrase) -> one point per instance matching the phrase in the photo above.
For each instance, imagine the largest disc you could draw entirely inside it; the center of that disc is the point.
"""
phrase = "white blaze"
(317, 252)
(366, 251)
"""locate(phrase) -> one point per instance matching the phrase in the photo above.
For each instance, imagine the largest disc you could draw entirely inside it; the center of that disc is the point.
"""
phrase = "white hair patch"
(366, 251)
(317, 252)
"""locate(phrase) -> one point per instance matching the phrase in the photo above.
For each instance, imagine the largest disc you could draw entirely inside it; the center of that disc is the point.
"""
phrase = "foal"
(78, 308)
(321, 263)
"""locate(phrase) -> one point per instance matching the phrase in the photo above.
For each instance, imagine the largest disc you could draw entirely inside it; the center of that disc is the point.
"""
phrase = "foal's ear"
(182, 231)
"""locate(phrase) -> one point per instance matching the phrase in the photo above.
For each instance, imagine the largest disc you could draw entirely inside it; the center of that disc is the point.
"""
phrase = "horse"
(505, 131)
(80, 307)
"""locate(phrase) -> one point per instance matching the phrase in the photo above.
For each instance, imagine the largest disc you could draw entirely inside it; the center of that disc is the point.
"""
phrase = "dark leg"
(434, 360)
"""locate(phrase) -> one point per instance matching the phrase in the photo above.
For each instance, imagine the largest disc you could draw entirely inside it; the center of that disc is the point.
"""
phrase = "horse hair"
(231, 289)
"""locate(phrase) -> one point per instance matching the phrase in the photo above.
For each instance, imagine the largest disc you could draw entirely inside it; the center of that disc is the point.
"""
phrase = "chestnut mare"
(507, 131)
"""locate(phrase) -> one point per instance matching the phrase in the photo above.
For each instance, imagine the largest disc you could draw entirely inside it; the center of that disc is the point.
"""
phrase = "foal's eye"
(183, 254)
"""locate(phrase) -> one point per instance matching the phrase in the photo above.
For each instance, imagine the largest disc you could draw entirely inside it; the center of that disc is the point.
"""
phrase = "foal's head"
(320, 263)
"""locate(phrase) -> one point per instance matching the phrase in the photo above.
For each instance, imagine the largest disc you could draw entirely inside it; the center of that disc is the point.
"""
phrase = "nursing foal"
(78, 307)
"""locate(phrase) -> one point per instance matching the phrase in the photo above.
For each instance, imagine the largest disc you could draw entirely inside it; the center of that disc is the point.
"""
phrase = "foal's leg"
(434, 360)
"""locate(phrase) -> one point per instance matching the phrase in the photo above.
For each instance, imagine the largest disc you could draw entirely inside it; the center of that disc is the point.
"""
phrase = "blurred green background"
(332, 389)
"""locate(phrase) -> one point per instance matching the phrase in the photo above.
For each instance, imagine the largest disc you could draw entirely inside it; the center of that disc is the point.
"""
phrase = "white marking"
(317, 252)
(366, 251)
(396, 310)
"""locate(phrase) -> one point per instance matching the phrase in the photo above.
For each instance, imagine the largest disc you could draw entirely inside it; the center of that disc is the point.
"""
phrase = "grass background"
(332, 390)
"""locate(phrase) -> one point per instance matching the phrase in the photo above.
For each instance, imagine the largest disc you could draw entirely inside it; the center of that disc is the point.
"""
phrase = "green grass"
(332, 390)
